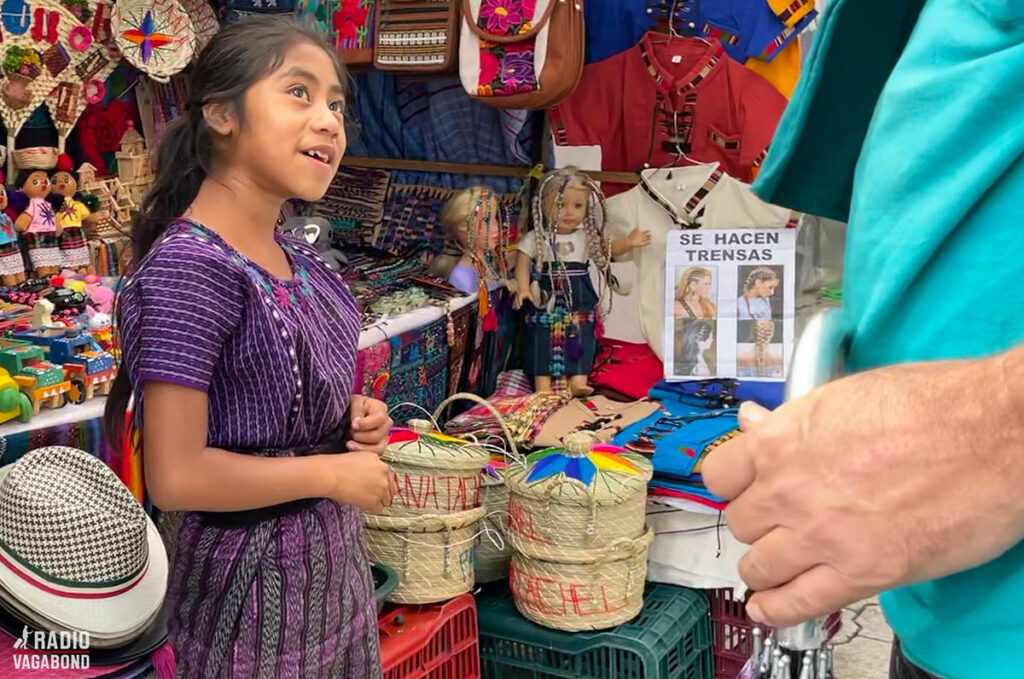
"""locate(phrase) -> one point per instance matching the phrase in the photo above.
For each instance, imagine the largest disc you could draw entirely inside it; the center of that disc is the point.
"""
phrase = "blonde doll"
(473, 259)
(553, 275)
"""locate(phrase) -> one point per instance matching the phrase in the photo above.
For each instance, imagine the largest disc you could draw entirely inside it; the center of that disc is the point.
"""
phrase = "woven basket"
(584, 496)
(164, 17)
(490, 559)
(432, 554)
(582, 590)
(36, 158)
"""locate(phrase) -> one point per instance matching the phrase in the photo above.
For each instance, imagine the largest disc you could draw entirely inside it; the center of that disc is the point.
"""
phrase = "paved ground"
(862, 647)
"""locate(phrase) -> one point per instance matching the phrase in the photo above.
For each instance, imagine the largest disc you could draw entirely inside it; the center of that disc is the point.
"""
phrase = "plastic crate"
(730, 629)
(670, 639)
(430, 642)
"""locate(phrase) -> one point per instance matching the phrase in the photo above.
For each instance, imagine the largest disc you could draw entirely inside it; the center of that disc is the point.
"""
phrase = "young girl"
(239, 347)
(553, 274)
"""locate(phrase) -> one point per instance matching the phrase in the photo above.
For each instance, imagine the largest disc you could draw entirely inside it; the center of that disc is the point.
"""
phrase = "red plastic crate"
(438, 641)
(730, 632)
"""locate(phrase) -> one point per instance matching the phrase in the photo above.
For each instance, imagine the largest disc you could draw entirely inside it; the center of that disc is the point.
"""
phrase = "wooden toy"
(43, 382)
(13, 403)
(88, 368)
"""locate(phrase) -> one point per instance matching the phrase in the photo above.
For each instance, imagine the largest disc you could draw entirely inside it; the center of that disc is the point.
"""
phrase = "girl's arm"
(183, 474)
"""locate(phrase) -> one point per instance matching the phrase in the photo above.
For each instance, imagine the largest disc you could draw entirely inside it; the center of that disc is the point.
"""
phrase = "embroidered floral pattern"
(506, 68)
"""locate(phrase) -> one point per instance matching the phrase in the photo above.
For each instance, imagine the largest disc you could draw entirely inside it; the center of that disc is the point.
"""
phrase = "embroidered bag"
(416, 35)
(506, 58)
(348, 25)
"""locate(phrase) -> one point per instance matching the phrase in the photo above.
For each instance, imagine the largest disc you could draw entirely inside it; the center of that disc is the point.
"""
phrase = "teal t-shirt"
(934, 265)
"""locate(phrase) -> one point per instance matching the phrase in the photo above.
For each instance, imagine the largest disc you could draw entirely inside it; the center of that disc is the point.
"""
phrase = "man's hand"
(878, 480)
(370, 424)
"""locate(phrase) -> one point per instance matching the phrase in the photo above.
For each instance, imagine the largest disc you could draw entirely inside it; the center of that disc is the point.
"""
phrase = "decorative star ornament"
(550, 462)
(146, 37)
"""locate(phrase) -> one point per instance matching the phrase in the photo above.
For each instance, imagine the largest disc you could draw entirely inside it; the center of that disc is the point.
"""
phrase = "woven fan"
(47, 55)
(156, 36)
(204, 21)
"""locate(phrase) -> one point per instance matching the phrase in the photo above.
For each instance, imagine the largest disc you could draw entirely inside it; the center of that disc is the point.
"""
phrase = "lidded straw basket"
(585, 495)
(581, 590)
(491, 559)
(435, 473)
(432, 554)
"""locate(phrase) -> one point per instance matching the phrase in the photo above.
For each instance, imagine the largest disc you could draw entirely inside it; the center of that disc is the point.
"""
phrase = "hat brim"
(113, 614)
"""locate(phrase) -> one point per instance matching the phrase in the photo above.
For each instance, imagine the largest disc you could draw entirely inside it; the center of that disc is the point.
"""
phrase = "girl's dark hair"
(688, 351)
(236, 58)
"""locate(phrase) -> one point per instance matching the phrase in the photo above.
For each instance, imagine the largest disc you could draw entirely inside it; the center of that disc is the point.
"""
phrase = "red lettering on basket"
(458, 494)
(412, 493)
(521, 521)
(579, 599)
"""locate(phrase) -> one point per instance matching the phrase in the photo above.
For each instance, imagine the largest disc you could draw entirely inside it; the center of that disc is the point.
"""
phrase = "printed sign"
(730, 304)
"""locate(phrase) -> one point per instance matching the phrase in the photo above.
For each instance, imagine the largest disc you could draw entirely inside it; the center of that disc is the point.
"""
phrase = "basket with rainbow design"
(576, 526)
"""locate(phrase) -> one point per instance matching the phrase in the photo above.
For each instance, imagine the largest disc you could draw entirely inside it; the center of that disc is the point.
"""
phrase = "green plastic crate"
(670, 639)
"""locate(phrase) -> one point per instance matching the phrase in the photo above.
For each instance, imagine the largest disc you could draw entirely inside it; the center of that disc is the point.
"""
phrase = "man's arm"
(882, 479)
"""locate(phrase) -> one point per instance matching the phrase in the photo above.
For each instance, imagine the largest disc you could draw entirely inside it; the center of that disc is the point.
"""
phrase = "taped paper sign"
(730, 304)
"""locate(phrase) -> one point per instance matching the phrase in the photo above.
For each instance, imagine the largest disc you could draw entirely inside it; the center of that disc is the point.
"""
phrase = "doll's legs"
(578, 386)
(542, 383)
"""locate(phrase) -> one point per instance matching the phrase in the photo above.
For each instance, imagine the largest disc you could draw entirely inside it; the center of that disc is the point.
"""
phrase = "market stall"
(545, 209)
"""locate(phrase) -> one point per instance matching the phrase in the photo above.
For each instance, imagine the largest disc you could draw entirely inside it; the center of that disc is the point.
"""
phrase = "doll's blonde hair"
(548, 205)
(460, 213)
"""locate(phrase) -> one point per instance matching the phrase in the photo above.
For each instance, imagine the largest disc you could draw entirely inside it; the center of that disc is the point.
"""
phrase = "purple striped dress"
(291, 597)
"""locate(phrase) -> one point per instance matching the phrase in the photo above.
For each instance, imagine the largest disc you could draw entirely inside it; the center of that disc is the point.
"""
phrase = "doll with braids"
(553, 278)
(473, 258)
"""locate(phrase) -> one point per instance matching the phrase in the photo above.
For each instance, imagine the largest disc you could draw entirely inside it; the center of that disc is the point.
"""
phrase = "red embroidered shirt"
(644, 105)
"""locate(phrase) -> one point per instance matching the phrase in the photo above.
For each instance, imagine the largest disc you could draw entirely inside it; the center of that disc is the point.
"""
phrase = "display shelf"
(52, 418)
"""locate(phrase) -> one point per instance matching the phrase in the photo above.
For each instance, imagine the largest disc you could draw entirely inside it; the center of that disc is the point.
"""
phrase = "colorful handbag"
(416, 35)
(521, 54)
(348, 25)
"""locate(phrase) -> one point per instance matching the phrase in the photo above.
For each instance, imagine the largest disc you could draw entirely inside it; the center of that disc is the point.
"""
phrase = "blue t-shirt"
(933, 262)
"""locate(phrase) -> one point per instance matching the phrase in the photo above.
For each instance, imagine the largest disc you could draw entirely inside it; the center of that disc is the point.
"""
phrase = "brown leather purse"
(490, 37)
(416, 36)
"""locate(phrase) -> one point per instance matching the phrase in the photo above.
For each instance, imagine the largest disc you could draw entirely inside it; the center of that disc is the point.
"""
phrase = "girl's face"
(704, 345)
(293, 135)
(703, 286)
(766, 288)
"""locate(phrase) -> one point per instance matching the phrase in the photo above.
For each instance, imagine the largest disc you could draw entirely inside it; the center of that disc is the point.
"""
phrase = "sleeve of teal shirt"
(814, 153)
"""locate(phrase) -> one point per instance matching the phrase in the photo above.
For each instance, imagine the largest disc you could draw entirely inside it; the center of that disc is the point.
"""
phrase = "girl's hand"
(370, 425)
(361, 479)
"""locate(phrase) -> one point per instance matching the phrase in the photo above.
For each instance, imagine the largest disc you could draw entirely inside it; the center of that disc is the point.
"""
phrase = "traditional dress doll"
(37, 221)
(472, 259)
(12, 264)
(553, 275)
(76, 210)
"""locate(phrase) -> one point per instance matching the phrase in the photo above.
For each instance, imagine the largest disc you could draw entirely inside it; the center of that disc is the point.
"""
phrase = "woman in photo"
(692, 292)
(755, 302)
(692, 345)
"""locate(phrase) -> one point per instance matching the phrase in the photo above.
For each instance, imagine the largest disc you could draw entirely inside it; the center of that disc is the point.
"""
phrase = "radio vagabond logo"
(51, 650)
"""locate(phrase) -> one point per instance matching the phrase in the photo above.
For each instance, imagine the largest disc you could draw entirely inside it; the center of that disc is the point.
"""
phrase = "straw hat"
(76, 547)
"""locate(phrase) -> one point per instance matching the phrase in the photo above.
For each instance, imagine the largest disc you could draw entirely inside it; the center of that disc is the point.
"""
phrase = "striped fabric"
(291, 596)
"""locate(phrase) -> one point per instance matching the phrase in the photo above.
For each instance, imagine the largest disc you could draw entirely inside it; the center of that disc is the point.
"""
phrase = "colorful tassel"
(490, 322)
(164, 662)
(483, 302)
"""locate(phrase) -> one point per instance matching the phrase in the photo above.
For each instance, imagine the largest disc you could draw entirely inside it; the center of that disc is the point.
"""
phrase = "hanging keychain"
(802, 651)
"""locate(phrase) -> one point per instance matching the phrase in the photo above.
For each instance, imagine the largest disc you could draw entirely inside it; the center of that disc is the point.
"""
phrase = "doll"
(553, 275)
(37, 222)
(12, 264)
(100, 327)
(473, 259)
(76, 210)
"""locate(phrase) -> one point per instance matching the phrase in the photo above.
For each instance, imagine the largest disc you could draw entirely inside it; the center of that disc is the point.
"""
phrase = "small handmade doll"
(12, 264)
(553, 275)
(37, 222)
(76, 210)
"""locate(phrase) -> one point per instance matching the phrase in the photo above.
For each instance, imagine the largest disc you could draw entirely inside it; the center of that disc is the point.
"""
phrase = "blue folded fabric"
(674, 441)
(695, 488)
(718, 393)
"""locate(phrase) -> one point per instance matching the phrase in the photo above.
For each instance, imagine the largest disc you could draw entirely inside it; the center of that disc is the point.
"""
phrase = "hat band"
(17, 565)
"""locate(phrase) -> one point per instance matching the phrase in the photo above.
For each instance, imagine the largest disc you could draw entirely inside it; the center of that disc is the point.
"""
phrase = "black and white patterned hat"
(76, 546)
